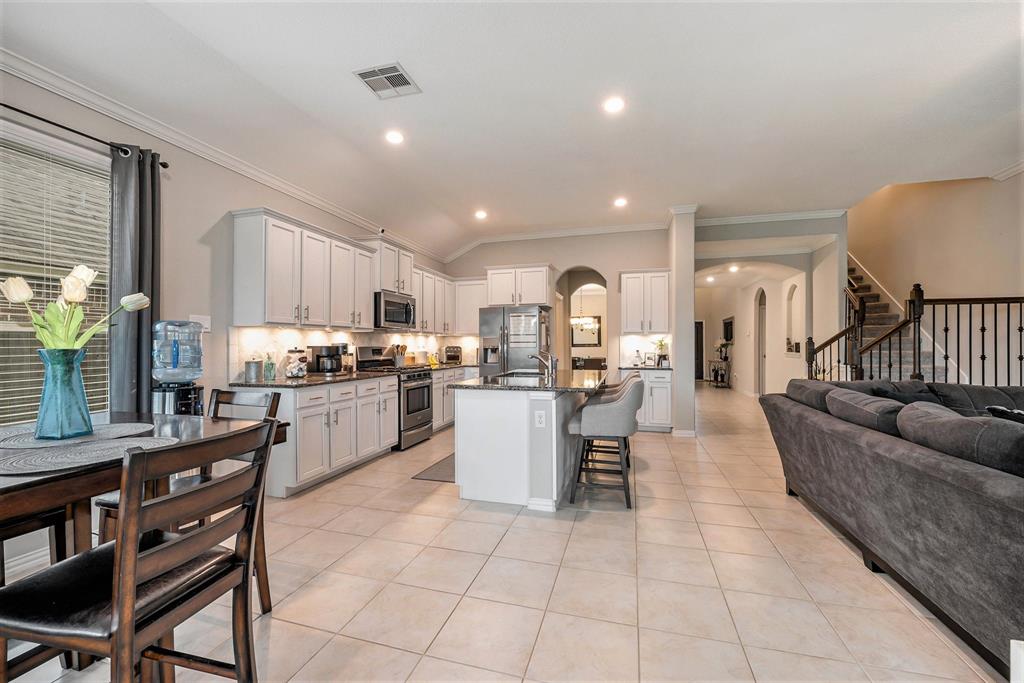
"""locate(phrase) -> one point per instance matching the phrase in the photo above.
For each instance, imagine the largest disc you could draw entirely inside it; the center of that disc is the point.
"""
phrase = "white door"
(449, 396)
(368, 425)
(343, 433)
(659, 404)
(656, 287)
(449, 307)
(417, 295)
(470, 297)
(405, 272)
(632, 292)
(437, 399)
(388, 419)
(311, 443)
(316, 279)
(284, 243)
(427, 304)
(363, 290)
(387, 262)
(439, 312)
(342, 281)
(532, 286)
(501, 287)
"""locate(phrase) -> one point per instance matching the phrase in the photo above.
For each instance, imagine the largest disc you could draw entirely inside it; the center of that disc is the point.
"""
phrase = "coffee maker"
(324, 360)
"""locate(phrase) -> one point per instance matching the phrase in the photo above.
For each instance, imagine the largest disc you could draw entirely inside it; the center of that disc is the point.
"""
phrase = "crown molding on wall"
(54, 82)
(770, 217)
(567, 232)
(679, 209)
(1009, 171)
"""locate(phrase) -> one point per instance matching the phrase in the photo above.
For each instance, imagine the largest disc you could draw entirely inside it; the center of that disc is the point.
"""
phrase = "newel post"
(915, 310)
(809, 356)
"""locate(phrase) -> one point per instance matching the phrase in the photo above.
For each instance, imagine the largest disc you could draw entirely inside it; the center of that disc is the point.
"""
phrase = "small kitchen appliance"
(325, 360)
(177, 363)
(453, 354)
(415, 400)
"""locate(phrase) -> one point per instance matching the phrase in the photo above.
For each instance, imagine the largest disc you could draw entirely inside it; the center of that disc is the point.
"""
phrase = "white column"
(681, 247)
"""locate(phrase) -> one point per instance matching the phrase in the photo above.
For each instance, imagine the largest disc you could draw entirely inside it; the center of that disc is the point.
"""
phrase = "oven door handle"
(416, 385)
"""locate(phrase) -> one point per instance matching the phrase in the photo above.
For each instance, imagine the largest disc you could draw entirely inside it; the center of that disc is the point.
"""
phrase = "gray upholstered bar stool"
(606, 393)
(611, 417)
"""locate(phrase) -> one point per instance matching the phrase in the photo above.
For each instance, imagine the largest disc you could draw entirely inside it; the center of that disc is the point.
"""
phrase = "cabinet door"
(427, 304)
(316, 278)
(656, 302)
(284, 243)
(449, 307)
(311, 443)
(343, 433)
(449, 396)
(388, 419)
(405, 272)
(343, 279)
(368, 425)
(501, 287)
(417, 295)
(632, 292)
(659, 408)
(387, 262)
(470, 297)
(439, 312)
(437, 397)
(363, 290)
(532, 286)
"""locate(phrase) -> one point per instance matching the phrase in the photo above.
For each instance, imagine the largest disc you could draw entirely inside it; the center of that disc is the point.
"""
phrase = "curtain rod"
(119, 148)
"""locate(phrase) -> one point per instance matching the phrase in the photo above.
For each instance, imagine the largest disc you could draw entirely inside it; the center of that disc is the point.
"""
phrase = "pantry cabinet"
(645, 302)
(519, 286)
(470, 297)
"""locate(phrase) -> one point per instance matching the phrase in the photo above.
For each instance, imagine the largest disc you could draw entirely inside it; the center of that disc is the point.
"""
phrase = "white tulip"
(85, 274)
(73, 289)
(61, 304)
(16, 290)
(135, 302)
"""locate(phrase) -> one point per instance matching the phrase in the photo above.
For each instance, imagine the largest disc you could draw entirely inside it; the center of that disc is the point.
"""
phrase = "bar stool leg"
(625, 471)
(577, 466)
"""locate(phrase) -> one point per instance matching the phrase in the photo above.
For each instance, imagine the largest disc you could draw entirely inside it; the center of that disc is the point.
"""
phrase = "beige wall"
(957, 238)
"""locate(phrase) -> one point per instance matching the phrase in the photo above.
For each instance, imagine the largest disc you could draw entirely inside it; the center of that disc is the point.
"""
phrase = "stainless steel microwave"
(394, 311)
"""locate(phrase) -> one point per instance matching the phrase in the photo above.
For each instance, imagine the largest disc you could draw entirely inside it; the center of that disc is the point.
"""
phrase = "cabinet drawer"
(389, 384)
(368, 388)
(311, 398)
(449, 376)
(656, 375)
(342, 392)
(460, 375)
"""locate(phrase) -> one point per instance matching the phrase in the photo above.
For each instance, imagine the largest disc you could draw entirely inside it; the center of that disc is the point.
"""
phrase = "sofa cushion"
(810, 392)
(971, 400)
(988, 441)
(907, 397)
(865, 410)
(871, 386)
(1006, 414)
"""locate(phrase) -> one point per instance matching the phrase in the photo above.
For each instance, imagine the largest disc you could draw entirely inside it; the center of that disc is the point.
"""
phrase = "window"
(54, 214)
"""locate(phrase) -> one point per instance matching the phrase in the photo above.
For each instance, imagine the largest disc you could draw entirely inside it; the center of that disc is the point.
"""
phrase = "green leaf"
(55, 323)
(77, 317)
(88, 334)
(42, 331)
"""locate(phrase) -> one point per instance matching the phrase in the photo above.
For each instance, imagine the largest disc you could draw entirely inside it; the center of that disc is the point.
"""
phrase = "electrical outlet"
(539, 419)
(204, 320)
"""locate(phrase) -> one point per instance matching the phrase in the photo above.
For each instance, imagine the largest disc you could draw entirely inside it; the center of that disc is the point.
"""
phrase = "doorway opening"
(761, 316)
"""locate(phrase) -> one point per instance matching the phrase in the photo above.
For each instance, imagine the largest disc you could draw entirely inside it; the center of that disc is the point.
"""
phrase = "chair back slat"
(166, 556)
(203, 500)
(174, 459)
(267, 401)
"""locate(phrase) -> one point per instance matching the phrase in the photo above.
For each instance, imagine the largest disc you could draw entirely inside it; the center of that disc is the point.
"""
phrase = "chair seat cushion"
(112, 500)
(73, 598)
(988, 441)
(865, 410)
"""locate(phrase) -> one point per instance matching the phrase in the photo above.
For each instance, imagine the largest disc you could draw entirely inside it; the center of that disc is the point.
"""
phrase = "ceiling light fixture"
(613, 105)
(480, 214)
(620, 202)
(733, 269)
(395, 137)
(709, 278)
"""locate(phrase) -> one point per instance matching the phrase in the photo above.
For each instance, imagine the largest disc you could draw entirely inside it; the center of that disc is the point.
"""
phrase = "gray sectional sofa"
(927, 486)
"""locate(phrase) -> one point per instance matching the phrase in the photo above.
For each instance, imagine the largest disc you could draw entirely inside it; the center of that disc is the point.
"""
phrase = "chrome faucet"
(550, 364)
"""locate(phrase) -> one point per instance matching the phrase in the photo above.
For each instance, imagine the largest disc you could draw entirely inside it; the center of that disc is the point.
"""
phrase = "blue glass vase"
(63, 408)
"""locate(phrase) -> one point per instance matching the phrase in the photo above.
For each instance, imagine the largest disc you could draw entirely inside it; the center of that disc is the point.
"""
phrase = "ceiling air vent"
(387, 81)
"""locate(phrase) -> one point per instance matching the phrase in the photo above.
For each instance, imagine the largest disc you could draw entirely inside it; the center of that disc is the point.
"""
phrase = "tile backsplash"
(629, 344)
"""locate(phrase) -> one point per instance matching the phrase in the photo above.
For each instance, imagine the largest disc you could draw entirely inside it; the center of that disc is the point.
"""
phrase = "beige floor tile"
(277, 536)
(668, 532)
(439, 569)
(658, 476)
(489, 635)
(405, 617)
(846, 584)
(360, 521)
(472, 537)
(347, 659)
(369, 477)
(409, 528)
(686, 610)
(768, 499)
(344, 494)
(286, 578)
(584, 552)
(559, 522)
(647, 463)
(619, 526)
(753, 574)
(699, 479)
(652, 489)
(672, 657)
(328, 601)
(712, 494)
(770, 484)
(597, 595)
(726, 515)
(784, 624)
(318, 549)
(896, 640)
(788, 520)
(781, 667)
(491, 513)
(394, 500)
(685, 467)
(431, 670)
(578, 649)
(199, 634)
(440, 505)
(532, 545)
(377, 558)
(672, 563)
(801, 547)
(880, 675)
(663, 508)
(527, 584)
(305, 511)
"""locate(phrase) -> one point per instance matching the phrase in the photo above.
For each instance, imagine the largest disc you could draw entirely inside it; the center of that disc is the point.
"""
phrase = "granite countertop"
(308, 380)
(454, 366)
(583, 381)
(640, 367)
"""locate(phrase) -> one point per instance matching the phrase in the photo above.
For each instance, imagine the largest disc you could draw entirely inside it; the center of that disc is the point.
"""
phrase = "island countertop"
(581, 381)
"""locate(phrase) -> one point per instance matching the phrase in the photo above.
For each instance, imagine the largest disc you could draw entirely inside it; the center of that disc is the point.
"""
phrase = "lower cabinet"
(437, 394)
(312, 443)
(656, 411)
(343, 433)
(388, 419)
(368, 425)
(449, 397)
(443, 396)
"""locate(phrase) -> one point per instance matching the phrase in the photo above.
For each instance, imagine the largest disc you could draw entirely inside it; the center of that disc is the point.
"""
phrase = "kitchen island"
(512, 441)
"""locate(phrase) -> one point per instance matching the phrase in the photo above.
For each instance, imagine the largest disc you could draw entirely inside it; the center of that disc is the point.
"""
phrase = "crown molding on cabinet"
(54, 82)
(567, 232)
(1009, 171)
(770, 217)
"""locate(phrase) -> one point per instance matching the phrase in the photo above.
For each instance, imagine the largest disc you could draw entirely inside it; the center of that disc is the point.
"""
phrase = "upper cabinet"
(449, 307)
(343, 310)
(405, 281)
(519, 286)
(316, 279)
(283, 245)
(645, 302)
(425, 310)
(363, 291)
(392, 267)
(470, 297)
(438, 321)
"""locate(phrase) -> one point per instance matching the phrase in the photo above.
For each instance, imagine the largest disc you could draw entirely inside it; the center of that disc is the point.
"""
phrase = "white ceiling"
(741, 108)
(749, 272)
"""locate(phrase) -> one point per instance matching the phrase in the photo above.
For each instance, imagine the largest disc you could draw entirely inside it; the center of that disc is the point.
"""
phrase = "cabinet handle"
(650, 325)
(641, 325)
(402, 286)
(359, 317)
(335, 416)
(353, 317)
(305, 312)
(296, 311)
(326, 424)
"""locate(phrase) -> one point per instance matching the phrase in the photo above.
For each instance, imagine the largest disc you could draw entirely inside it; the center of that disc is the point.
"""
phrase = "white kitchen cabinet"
(417, 296)
(405, 272)
(449, 307)
(342, 285)
(428, 302)
(311, 442)
(437, 398)
(363, 291)
(632, 292)
(387, 265)
(472, 373)
(392, 267)
(368, 425)
(656, 302)
(316, 279)
(501, 287)
(439, 313)
(470, 297)
(388, 419)
(645, 302)
(343, 433)
(283, 256)
(449, 396)
(532, 285)
(521, 286)
(655, 414)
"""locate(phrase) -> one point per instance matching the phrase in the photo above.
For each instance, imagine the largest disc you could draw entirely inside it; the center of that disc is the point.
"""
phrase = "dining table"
(27, 495)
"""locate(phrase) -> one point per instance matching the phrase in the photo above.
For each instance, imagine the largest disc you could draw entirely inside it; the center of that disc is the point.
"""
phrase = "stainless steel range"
(416, 410)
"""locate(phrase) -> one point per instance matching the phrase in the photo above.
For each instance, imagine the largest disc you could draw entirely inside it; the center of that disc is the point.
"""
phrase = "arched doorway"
(760, 344)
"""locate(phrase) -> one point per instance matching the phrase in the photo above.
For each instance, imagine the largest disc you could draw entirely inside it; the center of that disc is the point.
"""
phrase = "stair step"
(856, 278)
(880, 319)
(862, 289)
(850, 270)
(877, 307)
(871, 298)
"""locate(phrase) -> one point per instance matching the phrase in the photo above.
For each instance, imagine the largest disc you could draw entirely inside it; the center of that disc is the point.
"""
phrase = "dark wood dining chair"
(252, 405)
(122, 600)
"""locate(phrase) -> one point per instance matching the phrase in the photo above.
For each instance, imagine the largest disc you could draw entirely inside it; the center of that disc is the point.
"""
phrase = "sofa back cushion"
(865, 410)
(988, 441)
(810, 392)
(971, 400)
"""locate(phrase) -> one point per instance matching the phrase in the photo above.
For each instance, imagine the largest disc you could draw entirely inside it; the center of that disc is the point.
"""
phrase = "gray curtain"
(135, 267)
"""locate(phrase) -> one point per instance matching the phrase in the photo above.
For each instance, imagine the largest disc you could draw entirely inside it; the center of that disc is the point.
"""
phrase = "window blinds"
(54, 214)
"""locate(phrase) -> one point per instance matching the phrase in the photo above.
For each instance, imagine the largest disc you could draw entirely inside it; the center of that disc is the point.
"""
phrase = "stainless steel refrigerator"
(510, 335)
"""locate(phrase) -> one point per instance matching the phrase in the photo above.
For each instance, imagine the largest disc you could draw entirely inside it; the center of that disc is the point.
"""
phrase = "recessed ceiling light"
(613, 105)
(733, 269)
(480, 214)
(710, 278)
(395, 137)
(620, 202)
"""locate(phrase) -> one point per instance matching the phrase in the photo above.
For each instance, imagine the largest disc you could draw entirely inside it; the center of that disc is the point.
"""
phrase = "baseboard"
(684, 433)
(542, 504)
(27, 563)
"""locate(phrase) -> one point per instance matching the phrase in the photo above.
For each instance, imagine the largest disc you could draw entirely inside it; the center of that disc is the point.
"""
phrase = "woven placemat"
(23, 435)
(48, 460)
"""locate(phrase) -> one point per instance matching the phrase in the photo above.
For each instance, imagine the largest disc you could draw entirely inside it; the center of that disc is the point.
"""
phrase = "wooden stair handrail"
(885, 335)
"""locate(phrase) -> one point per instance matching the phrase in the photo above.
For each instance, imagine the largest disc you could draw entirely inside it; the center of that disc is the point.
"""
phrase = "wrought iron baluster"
(1008, 363)
(899, 354)
(995, 343)
(1020, 342)
(970, 343)
(933, 342)
(983, 357)
(945, 343)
